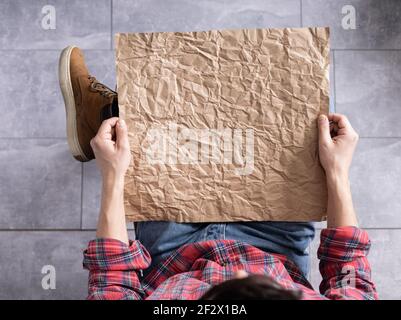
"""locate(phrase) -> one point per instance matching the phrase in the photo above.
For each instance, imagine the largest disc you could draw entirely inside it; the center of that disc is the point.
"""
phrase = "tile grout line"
(33, 138)
(111, 23)
(300, 13)
(364, 137)
(40, 50)
(46, 230)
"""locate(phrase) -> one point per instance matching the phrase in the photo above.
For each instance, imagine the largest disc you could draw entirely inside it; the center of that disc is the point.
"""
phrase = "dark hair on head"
(253, 287)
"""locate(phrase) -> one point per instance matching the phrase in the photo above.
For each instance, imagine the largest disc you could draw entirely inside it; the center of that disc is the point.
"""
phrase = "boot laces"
(102, 89)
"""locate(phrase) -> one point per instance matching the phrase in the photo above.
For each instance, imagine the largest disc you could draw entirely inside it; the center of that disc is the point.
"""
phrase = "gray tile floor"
(49, 202)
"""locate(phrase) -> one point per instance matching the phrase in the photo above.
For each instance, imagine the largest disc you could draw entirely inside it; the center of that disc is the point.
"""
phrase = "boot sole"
(70, 106)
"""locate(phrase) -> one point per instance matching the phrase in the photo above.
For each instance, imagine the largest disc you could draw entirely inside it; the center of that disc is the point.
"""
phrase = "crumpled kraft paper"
(222, 124)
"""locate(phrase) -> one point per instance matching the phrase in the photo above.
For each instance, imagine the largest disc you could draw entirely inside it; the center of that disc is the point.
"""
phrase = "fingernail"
(121, 123)
(322, 117)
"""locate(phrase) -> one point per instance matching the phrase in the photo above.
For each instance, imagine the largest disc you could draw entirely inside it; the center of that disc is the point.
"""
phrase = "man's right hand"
(337, 144)
(336, 147)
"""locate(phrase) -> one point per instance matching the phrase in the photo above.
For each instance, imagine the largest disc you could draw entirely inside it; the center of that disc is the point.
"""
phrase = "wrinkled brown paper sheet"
(222, 124)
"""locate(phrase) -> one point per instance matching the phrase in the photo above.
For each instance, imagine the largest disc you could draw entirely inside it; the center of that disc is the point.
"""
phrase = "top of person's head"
(253, 287)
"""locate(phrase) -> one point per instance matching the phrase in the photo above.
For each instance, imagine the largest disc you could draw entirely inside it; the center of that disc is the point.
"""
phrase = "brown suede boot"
(86, 101)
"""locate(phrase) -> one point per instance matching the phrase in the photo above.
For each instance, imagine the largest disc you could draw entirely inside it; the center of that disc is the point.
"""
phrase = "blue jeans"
(291, 239)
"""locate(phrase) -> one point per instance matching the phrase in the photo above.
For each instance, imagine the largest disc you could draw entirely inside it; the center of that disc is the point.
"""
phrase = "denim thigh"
(291, 239)
(161, 238)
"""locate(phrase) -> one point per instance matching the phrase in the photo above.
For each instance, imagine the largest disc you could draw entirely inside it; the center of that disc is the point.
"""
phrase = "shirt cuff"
(115, 255)
(343, 244)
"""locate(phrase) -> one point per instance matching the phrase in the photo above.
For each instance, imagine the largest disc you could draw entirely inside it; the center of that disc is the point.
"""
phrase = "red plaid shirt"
(114, 268)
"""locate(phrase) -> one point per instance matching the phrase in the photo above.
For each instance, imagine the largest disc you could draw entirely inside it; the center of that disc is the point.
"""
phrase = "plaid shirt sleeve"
(343, 264)
(113, 267)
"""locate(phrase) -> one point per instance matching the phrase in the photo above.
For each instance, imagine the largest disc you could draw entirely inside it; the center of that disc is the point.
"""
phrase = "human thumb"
(122, 134)
(324, 129)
